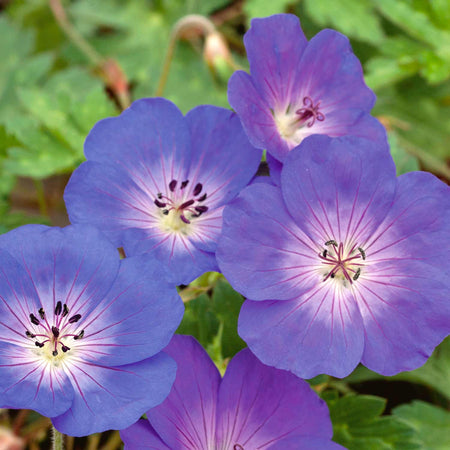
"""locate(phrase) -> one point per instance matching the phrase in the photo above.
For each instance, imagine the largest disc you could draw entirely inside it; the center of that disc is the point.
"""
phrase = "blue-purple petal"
(115, 397)
(187, 418)
(260, 406)
(136, 319)
(339, 188)
(142, 436)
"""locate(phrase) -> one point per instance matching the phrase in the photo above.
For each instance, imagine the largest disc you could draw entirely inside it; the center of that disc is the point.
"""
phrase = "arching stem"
(58, 439)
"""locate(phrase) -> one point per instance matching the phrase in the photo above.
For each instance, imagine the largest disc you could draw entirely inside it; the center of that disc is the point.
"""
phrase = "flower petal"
(255, 114)
(105, 196)
(115, 397)
(274, 47)
(142, 436)
(182, 261)
(403, 293)
(307, 443)
(75, 265)
(27, 381)
(151, 133)
(259, 406)
(262, 251)
(223, 159)
(186, 419)
(323, 328)
(137, 318)
(339, 188)
(332, 74)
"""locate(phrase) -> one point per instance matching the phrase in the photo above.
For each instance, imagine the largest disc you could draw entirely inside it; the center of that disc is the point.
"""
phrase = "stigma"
(342, 263)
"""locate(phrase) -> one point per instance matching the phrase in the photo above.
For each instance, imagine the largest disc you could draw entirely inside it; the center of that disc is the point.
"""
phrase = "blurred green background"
(66, 64)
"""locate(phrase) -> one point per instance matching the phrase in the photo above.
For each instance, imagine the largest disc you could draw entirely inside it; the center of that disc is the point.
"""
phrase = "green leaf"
(435, 373)
(357, 424)
(213, 320)
(226, 306)
(404, 162)
(431, 424)
(362, 23)
(416, 23)
(264, 8)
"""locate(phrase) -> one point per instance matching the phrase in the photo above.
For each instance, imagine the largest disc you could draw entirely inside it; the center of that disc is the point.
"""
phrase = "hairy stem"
(58, 440)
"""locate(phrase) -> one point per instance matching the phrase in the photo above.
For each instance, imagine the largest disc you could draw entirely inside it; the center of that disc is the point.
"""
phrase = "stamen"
(42, 313)
(34, 320)
(309, 111)
(65, 310)
(58, 309)
(172, 185)
(160, 204)
(198, 188)
(55, 331)
(30, 335)
(55, 352)
(201, 209)
(357, 274)
(165, 212)
(186, 204)
(184, 184)
(80, 335)
(324, 254)
(331, 242)
(184, 219)
(75, 318)
(363, 253)
(64, 348)
(159, 195)
(38, 344)
(238, 447)
(202, 198)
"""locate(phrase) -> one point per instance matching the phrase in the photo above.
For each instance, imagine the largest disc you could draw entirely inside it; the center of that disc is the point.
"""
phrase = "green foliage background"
(51, 95)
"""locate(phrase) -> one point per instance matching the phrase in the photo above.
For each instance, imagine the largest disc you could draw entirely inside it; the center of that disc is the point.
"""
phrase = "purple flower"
(156, 182)
(82, 330)
(299, 88)
(344, 263)
(253, 406)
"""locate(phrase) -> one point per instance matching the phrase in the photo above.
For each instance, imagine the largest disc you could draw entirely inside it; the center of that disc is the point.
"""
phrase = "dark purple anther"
(201, 209)
(202, 198)
(64, 348)
(55, 352)
(38, 344)
(198, 188)
(34, 319)
(238, 447)
(186, 204)
(55, 331)
(30, 335)
(173, 185)
(159, 195)
(65, 310)
(166, 212)
(184, 219)
(184, 184)
(80, 335)
(160, 204)
(75, 318)
(58, 309)
(42, 313)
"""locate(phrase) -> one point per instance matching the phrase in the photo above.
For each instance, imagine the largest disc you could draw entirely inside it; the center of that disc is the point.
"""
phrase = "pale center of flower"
(51, 339)
(289, 123)
(344, 264)
(178, 208)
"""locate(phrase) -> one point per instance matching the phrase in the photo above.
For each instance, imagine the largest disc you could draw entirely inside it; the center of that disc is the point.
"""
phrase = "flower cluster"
(340, 261)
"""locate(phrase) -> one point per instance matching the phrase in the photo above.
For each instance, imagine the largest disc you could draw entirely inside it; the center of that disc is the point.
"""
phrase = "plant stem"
(187, 22)
(58, 440)
(39, 185)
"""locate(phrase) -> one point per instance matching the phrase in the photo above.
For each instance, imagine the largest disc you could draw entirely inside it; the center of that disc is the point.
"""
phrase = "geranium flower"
(156, 182)
(299, 88)
(82, 330)
(253, 406)
(344, 263)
